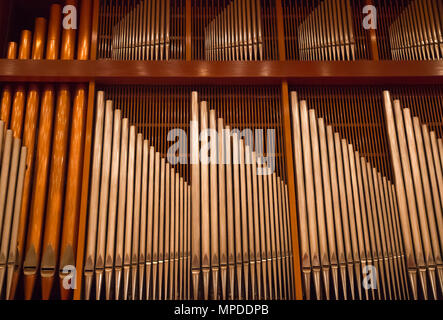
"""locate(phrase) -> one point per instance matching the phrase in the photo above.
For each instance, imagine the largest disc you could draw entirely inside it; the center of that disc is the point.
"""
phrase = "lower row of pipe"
(223, 231)
(363, 236)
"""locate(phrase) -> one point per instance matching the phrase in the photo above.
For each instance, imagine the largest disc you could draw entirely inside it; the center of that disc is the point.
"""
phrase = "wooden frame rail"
(203, 72)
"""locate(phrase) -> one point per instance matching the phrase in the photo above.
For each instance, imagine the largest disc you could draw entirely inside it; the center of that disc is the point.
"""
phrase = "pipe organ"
(417, 33)
(243, 217)
(416, 157)
(347, 213)
(336, 41)
(141, 30)
(236, 33)
(130, 39)
(138, 228)
(167, 150)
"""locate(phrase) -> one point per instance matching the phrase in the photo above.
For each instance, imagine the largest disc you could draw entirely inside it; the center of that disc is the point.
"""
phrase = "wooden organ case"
(221, 149)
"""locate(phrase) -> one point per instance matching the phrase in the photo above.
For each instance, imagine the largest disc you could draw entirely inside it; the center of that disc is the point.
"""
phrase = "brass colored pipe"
(6, 105)
(18, 111)
(53, 40)
(76, 144)
(30, 129)
(58, 168)
(12, 51)
(29, 141)
(38, 44)
(35, 229)
(24, 51)
(84, 33)
(18, 104)
(5, 108)
(54, 209)
(68, 38)
(73, 183)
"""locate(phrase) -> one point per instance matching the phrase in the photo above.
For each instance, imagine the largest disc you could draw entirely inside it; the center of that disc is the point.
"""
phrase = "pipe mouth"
(88, 273)
(30, 270)
(47, 272)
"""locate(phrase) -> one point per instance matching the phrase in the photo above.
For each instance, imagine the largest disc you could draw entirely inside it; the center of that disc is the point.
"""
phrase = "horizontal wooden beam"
(233, 72)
